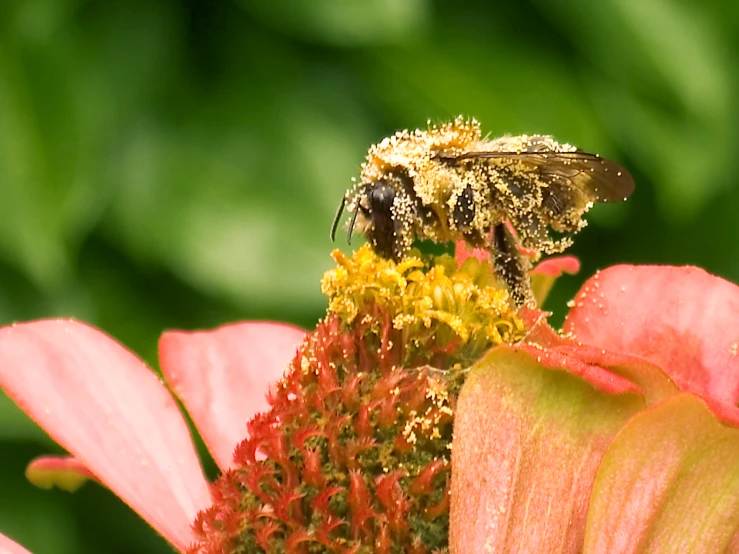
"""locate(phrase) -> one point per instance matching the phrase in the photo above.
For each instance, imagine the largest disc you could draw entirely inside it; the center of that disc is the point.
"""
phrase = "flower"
(355, 438)
(619, 436)
(353, 456)
(119, 421)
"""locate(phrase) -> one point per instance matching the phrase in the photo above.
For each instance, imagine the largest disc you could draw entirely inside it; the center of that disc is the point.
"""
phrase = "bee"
(448, 183)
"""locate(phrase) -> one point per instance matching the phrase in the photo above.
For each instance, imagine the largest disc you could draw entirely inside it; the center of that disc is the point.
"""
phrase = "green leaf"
(237, 199)
(347, 22)
(525, 89)
(32, 231)
(64, 89)
(660, 74)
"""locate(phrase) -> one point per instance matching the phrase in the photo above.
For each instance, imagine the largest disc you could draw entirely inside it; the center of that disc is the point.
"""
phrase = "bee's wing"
(601, 180)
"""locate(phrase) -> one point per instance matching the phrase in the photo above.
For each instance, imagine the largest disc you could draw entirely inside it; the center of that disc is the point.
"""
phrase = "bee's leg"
(511, 267)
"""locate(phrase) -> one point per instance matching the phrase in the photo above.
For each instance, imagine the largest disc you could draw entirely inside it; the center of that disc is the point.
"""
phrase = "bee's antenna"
(337, 217)
(350, 229)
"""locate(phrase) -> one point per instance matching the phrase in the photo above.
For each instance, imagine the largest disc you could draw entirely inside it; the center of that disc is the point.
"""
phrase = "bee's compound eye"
(380, 197)
(464, 209)
(382, 233)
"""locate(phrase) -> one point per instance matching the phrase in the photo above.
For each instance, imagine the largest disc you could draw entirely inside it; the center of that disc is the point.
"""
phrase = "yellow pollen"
(466, 305)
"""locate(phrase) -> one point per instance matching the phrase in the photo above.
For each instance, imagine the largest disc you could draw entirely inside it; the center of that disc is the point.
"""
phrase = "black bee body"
(449, 184)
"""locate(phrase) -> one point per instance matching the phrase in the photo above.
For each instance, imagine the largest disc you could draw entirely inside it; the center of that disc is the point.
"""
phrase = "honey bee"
(449, 184)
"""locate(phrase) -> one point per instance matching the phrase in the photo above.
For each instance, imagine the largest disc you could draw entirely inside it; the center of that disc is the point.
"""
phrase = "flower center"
(463, 310)
(354, 454)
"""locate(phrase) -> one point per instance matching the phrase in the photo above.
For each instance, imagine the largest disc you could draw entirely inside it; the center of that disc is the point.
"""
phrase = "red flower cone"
(353, 455)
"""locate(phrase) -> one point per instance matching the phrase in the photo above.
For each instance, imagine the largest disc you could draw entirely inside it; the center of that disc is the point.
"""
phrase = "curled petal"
(682, 319)
(651, 380)
(597, 365)
(64, 472)
(668, 483)
(527, 444)
(223, 376)
(104, 406)
(8, 546)
(547, 272)
(556, 266)
(597, 375)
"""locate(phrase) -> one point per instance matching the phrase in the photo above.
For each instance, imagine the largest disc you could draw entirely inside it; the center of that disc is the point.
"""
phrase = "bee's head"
(377, 211)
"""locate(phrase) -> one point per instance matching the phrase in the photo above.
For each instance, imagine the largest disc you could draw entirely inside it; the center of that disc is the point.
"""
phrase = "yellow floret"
(425, 295)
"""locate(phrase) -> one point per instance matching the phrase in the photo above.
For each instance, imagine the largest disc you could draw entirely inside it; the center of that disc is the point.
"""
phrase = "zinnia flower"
(618, 437)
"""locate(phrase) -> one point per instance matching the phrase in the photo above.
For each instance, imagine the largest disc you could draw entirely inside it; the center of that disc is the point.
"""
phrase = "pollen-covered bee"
(448, 183)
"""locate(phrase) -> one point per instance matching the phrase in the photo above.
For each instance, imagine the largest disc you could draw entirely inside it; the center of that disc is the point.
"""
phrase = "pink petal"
(223, 376)
(602, 368)
(668, 483)
(650, 379)
(544, 275)
(64, 472)
(8, 546)
(566, 360)
(556, 266)
(680, 318)
(527, 444)
(462, 251)
(103, 405)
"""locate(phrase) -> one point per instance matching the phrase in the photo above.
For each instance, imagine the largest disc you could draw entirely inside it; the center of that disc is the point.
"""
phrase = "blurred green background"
(177, 164)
